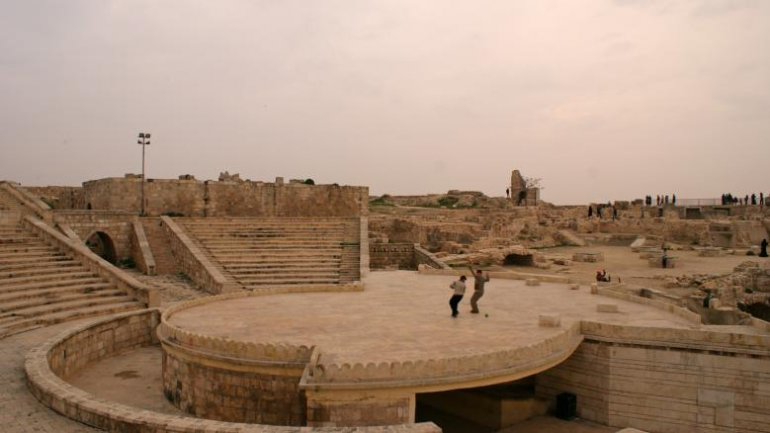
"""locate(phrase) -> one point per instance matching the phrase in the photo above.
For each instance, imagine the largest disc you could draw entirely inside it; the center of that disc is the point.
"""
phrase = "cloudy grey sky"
(601, 99)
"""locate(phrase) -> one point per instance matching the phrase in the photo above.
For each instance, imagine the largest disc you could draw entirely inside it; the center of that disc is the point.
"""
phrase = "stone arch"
(102, 245)
(519, 260)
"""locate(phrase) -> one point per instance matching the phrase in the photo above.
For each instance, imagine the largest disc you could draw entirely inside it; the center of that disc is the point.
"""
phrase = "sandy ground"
(624, 264)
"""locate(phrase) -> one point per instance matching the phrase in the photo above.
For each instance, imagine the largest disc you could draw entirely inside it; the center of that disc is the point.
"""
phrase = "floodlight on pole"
(144, 141)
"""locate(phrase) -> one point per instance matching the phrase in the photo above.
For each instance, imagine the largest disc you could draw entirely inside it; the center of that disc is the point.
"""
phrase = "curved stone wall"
(47, 366)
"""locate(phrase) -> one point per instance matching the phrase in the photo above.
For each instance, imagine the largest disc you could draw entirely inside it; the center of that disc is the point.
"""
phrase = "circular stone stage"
(361, 357)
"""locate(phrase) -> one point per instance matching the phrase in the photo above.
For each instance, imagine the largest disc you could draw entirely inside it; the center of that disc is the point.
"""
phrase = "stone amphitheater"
(241, 306)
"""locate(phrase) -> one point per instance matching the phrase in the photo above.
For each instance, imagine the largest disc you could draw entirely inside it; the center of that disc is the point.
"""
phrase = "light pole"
(144, 141)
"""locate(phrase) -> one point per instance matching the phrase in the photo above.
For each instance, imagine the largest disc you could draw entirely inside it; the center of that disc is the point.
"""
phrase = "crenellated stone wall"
(189, 197)
(46, 366)
(232, 381)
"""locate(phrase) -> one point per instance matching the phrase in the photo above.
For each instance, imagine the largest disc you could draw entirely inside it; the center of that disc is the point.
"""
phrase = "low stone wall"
(64, 355)
(140, 249)
(666, 380)
(142, 293)
(425, 257)
(193, 262)
(392, 256)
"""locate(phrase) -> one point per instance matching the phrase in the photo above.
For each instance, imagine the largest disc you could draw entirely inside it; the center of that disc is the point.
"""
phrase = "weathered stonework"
(182, 197)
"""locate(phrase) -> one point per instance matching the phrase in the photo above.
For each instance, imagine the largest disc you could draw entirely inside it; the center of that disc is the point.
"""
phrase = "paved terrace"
(403, 316)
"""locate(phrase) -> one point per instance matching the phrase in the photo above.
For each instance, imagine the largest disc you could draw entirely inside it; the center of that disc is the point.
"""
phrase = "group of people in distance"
(729, 199)
(600, 207)
(660, 200)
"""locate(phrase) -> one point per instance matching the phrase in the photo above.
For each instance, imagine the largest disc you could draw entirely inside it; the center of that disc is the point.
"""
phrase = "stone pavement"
(402, 315)
(20, 412)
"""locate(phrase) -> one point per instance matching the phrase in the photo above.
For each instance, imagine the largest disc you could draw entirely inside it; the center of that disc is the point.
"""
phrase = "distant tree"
(309, 181)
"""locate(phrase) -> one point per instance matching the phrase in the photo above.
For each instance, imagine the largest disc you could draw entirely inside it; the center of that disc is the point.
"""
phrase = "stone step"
(10, 256)
(283, 266)
(18, 238)
(56, 306)
(61, 276)
(321, 251)
(53, 291)
(21, 325)
(278, 237)
(252, 279)
(33, 265)
(45, 270)
(58, 297)
(25, 247)
(272, 242)
(272, 261)
(290, 282)
(47, 284)
(159, 245)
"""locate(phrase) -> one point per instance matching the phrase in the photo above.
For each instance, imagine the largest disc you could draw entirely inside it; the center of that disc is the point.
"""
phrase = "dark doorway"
(519, 260)
(101, 244)
(481, 410)
(759, 310)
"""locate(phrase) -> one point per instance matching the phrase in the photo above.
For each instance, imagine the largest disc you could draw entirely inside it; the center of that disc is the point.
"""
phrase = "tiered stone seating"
(9, 203)
(260, 252)
(40, 285)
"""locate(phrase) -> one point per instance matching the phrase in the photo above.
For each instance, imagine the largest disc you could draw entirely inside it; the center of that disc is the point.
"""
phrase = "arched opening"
(519, 260)
(481, 410)
(101, 244)
(760, 310)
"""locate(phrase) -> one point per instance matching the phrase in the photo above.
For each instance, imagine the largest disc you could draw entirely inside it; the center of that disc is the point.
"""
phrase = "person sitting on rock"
(601, 276)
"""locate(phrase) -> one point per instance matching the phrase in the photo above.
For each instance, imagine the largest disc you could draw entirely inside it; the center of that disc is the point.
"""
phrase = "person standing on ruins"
(590, 211)
(507, 193)
(478, 288)
(459, 290)
(763, 248)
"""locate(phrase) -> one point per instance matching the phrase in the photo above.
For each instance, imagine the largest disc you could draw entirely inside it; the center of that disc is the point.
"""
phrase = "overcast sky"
(601, 99)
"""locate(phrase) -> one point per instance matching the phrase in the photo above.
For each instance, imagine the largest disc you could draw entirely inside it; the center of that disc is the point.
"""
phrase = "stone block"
(533, 282)
(574, 286)
(588, 257)
(549, 320)
(594, 288)
(607, 308)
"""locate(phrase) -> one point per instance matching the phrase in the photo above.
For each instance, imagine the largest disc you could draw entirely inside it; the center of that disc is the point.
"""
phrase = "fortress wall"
(227, 198)
(59, 197)
(665, 389)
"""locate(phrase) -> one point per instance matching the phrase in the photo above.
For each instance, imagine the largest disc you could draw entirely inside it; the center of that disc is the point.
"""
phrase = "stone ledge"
(81, 406)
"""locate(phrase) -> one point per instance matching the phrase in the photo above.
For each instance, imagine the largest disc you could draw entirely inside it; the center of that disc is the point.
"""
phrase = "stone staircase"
(269, 252)
(160, 247)
(40, 285)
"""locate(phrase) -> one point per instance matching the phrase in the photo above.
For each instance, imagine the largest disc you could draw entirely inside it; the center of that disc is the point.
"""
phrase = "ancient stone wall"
(117, 225)
(666, 380)
(62, 356)
(390, 256)
(59, 197)
(189, 197)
